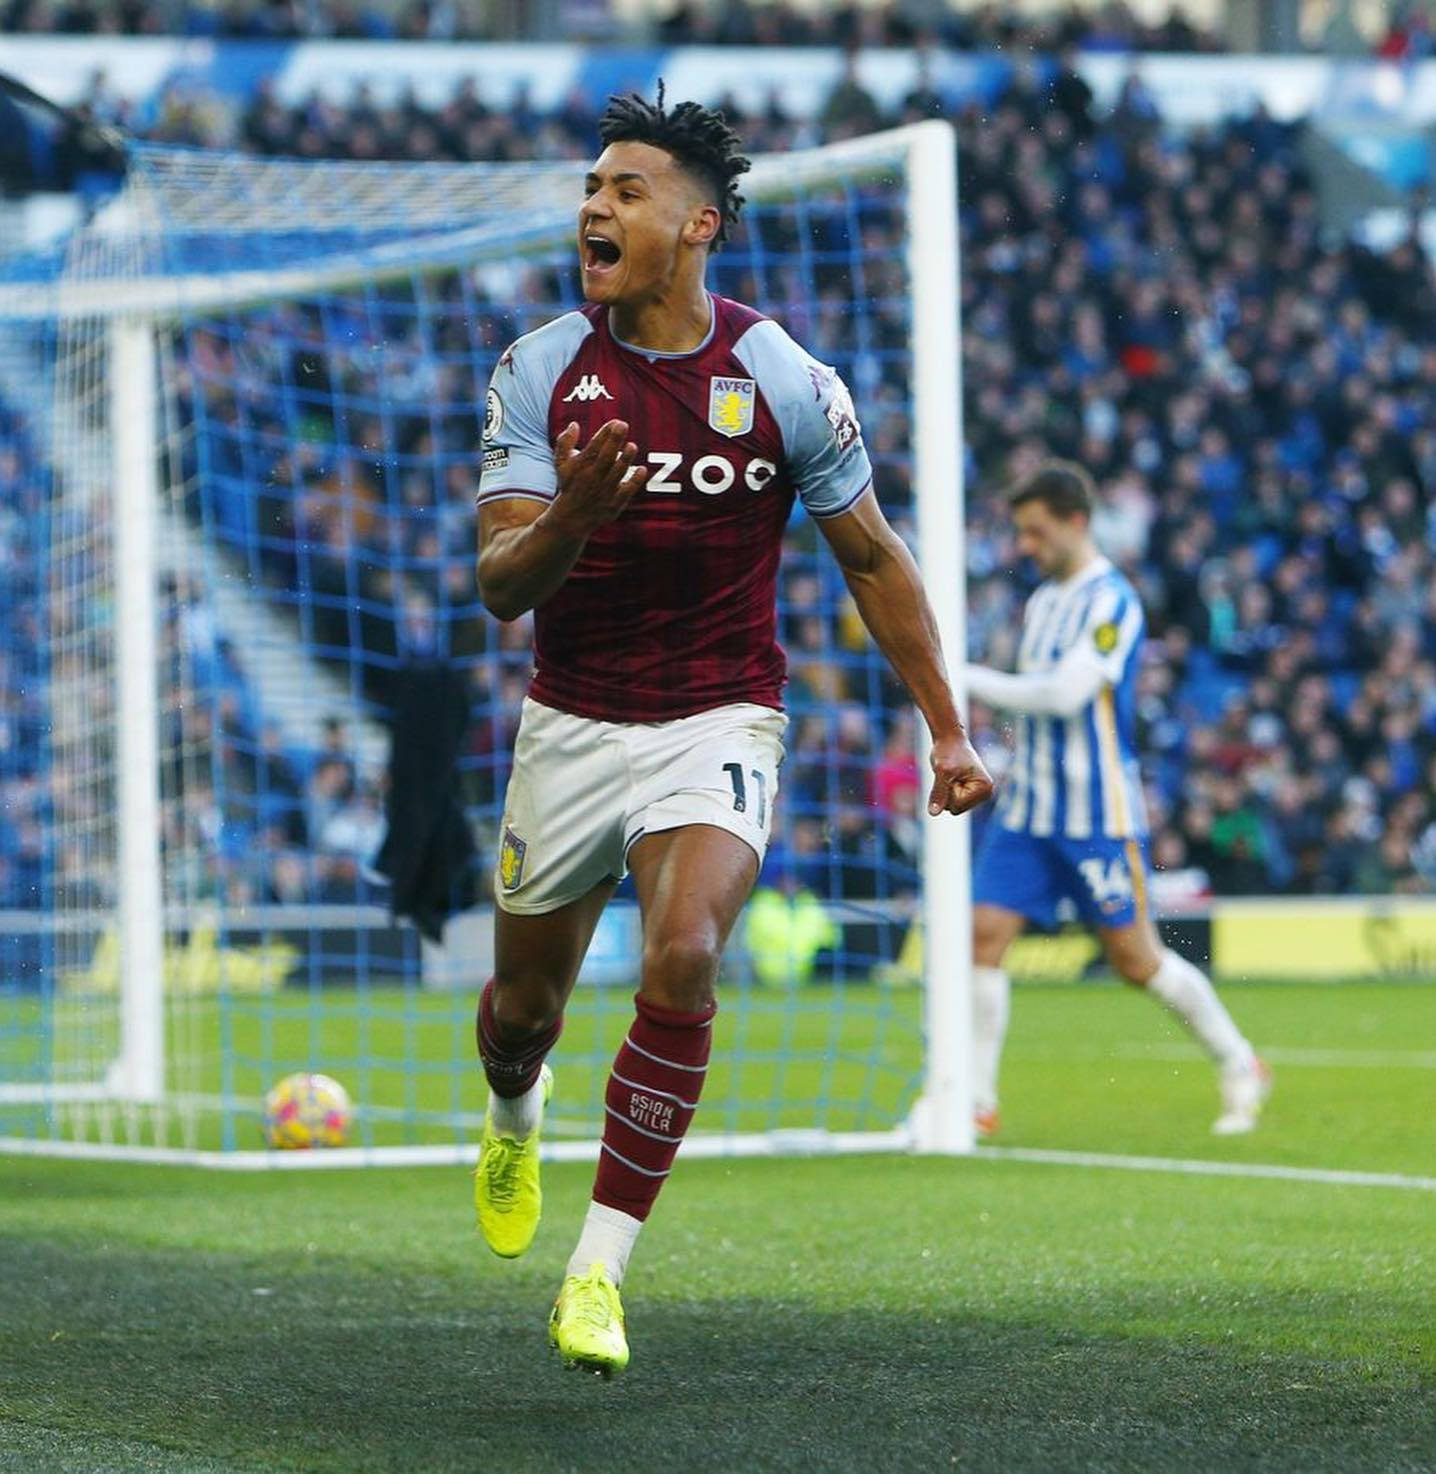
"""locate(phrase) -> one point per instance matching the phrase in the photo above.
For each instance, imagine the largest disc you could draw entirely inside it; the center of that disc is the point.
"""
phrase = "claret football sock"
(1189, 994)
(652, 1093)
(512, 1066)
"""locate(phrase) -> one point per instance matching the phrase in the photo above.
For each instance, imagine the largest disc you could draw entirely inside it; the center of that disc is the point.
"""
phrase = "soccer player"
(1070, 822)
(642, 455)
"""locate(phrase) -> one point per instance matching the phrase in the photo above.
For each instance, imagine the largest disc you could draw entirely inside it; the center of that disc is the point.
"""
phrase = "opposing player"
(641, 459)
(1070, 822)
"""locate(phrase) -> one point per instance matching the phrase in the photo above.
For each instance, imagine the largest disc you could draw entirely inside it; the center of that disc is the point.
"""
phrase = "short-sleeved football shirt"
(1077, 776)
(671, 609)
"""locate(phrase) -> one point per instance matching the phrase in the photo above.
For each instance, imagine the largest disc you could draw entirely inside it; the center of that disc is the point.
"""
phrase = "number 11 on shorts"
(740, 790)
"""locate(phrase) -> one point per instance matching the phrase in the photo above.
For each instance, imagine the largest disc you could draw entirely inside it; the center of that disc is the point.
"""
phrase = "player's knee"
(680, 968)
(525, 1003)
(989, 941)
(988, 951)
(1134, 965)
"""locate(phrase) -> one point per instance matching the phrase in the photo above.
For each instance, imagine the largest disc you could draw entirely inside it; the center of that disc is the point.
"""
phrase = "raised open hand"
(596, 483)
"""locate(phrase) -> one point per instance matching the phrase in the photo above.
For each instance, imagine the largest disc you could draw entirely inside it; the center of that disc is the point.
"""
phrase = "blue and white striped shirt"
(1074, 771)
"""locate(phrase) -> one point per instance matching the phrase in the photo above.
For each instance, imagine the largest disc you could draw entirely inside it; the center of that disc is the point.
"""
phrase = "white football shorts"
(582, 791)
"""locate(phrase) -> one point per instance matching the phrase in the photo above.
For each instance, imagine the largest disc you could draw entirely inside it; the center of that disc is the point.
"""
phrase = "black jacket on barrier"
(49, 148)
(428, 851)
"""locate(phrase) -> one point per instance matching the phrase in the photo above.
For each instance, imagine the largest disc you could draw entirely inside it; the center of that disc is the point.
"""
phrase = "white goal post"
(944, 1113)
(120, 288)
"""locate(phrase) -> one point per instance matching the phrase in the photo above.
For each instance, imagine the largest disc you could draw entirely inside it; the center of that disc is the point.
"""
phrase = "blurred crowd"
(245, 815)
(249, 816)
(986, 27)
(1411, 36)
(1114, 26)
(24, 791)
(247, 20)
(1109, 27)
(1256, 400)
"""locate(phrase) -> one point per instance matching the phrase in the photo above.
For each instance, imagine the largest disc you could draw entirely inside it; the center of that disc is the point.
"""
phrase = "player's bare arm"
(527, 548)
(888, 591)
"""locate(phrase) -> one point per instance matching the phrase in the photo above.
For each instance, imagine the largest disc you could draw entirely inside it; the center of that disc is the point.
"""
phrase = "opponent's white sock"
(1188, 992)
(518, 1115)
(991, 1006)
(608, 1238)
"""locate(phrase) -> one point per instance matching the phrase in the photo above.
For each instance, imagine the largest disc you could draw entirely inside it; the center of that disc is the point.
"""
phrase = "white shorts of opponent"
(583, 791)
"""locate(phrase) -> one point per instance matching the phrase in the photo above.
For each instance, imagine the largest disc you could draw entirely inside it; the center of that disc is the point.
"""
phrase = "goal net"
(246, 402)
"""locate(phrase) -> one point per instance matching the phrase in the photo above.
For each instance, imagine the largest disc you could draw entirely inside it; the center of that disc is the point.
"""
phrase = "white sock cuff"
(607, 1238)
(518, 1115)
(989, 979)
(1173, 971)
(614, 1218)
(991, 1003)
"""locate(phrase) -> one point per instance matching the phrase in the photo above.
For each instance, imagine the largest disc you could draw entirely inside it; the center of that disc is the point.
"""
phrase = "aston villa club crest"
(730, 406)
(511, 860)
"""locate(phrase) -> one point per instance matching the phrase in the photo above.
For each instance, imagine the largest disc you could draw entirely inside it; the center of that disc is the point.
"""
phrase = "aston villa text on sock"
(649, 1111)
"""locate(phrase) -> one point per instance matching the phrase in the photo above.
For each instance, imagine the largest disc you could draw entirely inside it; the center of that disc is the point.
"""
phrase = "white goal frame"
(132, 308)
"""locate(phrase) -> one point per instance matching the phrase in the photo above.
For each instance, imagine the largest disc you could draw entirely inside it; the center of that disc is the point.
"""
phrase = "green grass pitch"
(867, 1314)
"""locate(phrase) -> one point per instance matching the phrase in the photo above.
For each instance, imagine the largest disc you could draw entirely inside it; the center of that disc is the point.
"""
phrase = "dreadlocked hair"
(699, 139)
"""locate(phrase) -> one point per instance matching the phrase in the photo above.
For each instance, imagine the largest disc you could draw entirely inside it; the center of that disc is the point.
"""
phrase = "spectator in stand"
(850, 109)
(1409, 37)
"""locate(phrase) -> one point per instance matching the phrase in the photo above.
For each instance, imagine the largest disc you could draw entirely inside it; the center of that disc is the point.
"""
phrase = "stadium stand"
(24, 795)
(293, 825)
(1255, 399)
(1113, 27)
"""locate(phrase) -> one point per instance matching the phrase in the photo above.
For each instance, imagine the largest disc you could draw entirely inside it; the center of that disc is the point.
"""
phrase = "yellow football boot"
(586, 1327)
(506, 1185)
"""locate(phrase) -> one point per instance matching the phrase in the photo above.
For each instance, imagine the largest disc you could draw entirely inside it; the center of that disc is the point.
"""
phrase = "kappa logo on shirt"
(588, 388)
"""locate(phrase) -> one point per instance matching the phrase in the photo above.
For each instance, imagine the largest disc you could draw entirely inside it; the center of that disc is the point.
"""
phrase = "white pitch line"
(780, 1144)
(1296, 1056)
(1276, 1054)
(1195, 1167)
(1372, 1059)
(775, 1144)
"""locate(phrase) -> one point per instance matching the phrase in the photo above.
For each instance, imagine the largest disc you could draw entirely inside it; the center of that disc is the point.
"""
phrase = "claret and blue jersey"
(1071, 823)
(671, 609)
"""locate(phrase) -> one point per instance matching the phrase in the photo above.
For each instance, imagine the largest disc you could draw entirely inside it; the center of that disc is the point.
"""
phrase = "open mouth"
(599, 253)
